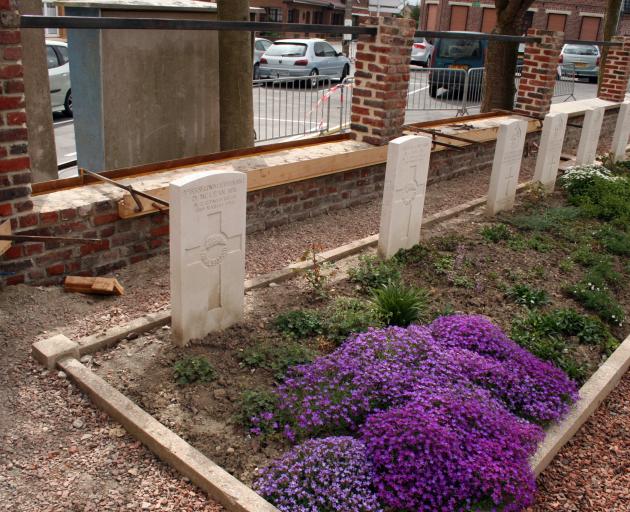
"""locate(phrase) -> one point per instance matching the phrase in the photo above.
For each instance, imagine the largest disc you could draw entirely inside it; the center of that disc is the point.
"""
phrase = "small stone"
(219, 394)
(146, 505)
(273, 285)
(86, 359)
(166, 328)
(85, 437)
(61, 375)
(78, 423)
(230, 451)
(132, 335)
(73, 449)
(133, 471)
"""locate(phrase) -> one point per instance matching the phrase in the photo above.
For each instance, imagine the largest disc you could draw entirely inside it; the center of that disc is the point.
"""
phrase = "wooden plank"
(274, 176)
(5, 229)
(116, 174)
(96, 285)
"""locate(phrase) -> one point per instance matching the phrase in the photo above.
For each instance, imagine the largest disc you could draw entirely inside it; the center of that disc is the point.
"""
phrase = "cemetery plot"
(550, 274)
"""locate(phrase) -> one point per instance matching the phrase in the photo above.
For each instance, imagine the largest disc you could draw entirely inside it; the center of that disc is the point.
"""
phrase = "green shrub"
(417, 254)
(372, 272)
(566, 266)
(398, 304)
(253, 403)
(193, 369)
(539, 243)
(299, 323)
(443, 264)
(278, 358)
(596, 298)
(517, 243)
(348, 315)
(614, 241)
(586, 256)
(463, 282)
(496, 233)
(546, 335)
(527, 296)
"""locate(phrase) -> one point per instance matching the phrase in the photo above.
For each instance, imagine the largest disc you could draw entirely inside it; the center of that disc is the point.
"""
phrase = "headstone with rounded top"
(207, 252)
(550, 150)
(589, 138)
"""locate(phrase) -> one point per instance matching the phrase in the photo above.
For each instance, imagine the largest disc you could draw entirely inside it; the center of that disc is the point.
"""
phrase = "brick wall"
(538, 77)
(614, 82)
(381, 80)
(15, 174)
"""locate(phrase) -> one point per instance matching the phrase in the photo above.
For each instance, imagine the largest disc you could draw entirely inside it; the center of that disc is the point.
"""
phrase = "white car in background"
(59, 76)
(421, 52)
(260, 46)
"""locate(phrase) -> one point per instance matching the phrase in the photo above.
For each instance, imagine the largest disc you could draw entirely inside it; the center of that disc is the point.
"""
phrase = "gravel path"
(59, 453)
(592, 472)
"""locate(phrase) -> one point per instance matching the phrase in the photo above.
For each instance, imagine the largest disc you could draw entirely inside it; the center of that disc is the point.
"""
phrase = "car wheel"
(67, 104)
(257, 71)
(345, 72)
(313, 78)
(592, 79)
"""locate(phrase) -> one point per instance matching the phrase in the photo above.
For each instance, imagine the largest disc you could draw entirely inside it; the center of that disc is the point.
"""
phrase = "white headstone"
(589, 139)
(550, 149)
(622, 132)
(403, 194)
(506, 166)
(207, 232)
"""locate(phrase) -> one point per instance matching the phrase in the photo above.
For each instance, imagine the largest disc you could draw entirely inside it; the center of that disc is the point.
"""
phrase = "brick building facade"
(320, 12)
(578, 19)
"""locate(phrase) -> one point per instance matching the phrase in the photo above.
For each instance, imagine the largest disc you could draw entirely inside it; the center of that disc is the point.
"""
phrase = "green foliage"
(517, 243)
(253, 403)
(299, 323)
(348, 315)
(446, 310)
(547, 335)
(496, 233)
(527, 296)
(193, 369)
(614, 241)
(448, 243)
(373, 272)
(539, 243)
(278, 358)
(315, 276)
(417, 254)
(463, 282)
(597, 298)
(586, 256)
(398, 304)
(566, 266)
(546, 220)
(443, 265)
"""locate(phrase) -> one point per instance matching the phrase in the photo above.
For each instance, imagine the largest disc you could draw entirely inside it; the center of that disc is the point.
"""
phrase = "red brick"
(55, 270)
(14, 164)
(9, 36)
(6, 210)
(105, 219)
(15, 280)
(160, 231)
(16, 118)
(48, 217)
(36, 248)
(13, 134)
(11, 102)
(86, 249)
(14, 252)
(12, 53)
(11, 71)
(13, 86)
(28, 220)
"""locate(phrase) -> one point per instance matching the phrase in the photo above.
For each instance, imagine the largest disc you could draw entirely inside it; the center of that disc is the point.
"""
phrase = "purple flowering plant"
(321, 475)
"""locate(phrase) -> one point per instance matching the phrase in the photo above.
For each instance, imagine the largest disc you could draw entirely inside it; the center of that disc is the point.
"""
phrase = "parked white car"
(421, 52)
(260, 46)
(59, 76)
(303, 57)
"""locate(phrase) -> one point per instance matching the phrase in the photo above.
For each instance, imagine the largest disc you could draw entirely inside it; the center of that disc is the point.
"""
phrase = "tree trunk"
(610, 29)
(501, 57)
(235, 78)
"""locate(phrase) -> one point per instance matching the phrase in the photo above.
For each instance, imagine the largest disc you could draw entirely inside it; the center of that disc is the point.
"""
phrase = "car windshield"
(459, 49)
(287, 50)
(575, 49)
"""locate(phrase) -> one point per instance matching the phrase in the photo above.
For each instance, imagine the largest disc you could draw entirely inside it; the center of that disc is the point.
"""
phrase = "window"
(319, 50)
(51, 57)
(459, 18)
(584, 50)
(556, 22)
(329, 51)
(63, 54)
(318, 18)
(432, 12)
(294, 16)
(489, 20)
(590, 28)
(274, 14)
(459, 48)
(50, 10)
(287, 50)
(338, 18)
(626, 6)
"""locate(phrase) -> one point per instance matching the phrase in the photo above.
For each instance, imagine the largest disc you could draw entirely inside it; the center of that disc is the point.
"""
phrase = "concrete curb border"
(222, 487)
(592, 394)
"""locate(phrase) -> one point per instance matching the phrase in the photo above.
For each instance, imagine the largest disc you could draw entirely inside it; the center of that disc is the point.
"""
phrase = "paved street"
(287, 112)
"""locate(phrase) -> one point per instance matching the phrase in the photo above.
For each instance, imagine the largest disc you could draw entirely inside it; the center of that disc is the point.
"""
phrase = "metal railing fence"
(436, 89)
(289, 107)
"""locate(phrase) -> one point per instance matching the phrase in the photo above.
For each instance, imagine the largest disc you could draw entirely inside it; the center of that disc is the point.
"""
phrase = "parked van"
(455, 54)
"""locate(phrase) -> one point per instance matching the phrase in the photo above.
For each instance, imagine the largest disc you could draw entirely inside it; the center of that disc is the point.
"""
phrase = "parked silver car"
(59, 76)
(584, 57)
(260, 46)
(421, 52)
(303, 57)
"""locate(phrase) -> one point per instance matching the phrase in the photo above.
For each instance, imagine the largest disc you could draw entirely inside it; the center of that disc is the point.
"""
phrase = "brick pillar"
(538, 78)
(15, 173)
(381, 80)
(614, 81)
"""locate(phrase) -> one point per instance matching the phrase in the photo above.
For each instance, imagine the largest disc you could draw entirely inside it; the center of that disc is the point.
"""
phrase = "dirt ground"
(59, 453)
